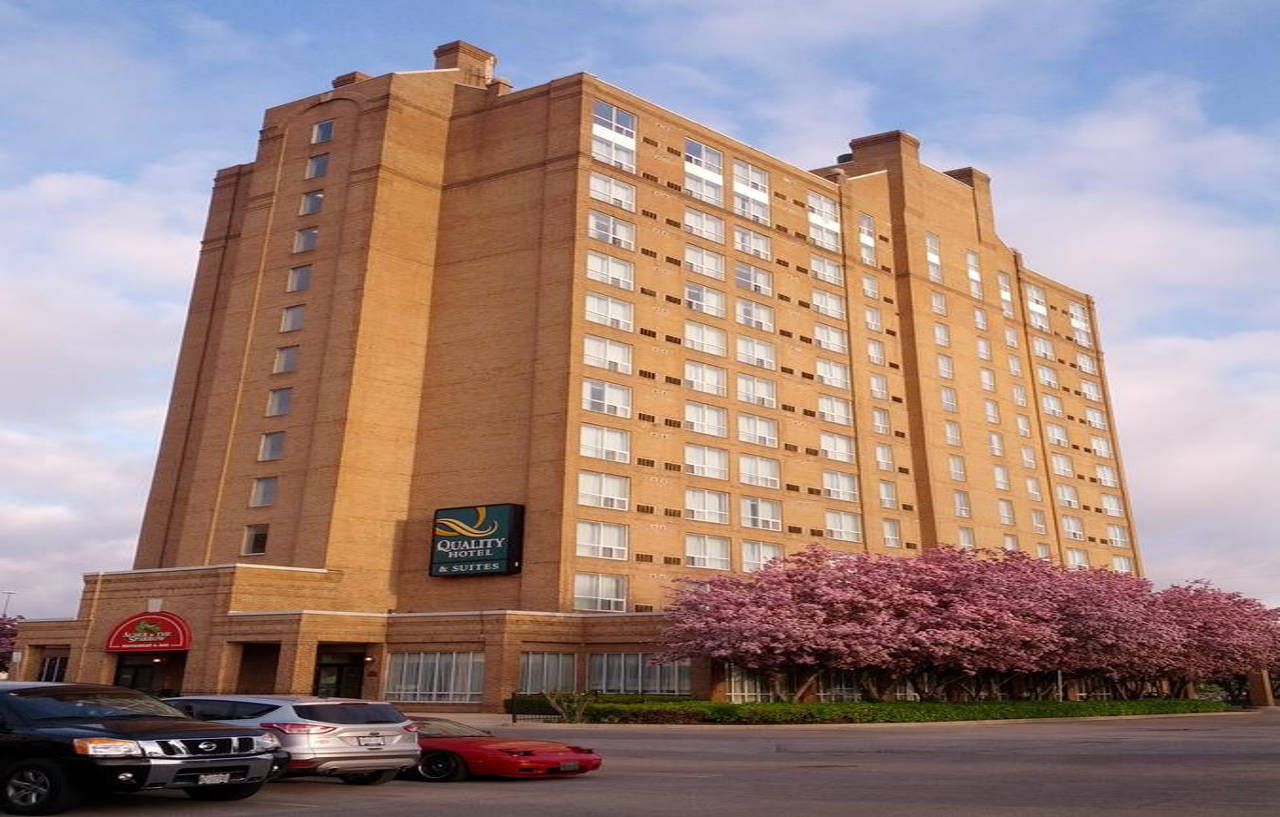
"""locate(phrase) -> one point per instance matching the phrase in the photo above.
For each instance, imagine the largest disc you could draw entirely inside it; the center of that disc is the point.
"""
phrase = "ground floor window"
(746, 685)
(53, 667)
(548, 672)
(635, 673)
(839, 685)
(436, 676)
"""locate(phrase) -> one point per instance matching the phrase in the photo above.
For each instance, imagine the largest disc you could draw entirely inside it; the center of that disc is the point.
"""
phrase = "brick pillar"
(296, 670)
(1260, 689)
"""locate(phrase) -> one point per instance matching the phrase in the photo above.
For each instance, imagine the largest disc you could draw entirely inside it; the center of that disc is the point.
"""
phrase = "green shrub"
(538, 705)
(856, 712)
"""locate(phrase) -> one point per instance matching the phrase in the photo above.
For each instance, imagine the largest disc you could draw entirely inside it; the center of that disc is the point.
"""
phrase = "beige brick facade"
(524, 297)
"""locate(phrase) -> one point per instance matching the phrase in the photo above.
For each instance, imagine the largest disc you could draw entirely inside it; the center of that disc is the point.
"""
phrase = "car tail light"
(410, 727)
(298, 728)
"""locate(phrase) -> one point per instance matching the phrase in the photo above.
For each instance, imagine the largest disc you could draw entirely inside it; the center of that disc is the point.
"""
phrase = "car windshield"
(54, 703)
(350, 713)
(449, 729)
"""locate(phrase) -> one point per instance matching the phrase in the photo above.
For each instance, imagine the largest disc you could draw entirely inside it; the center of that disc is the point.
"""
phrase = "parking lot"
(1215, 765)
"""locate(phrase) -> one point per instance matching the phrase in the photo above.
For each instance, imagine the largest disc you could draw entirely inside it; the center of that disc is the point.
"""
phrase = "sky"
(1134, 149)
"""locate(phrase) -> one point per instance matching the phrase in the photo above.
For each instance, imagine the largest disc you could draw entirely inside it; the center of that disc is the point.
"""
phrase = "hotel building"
(576, 348)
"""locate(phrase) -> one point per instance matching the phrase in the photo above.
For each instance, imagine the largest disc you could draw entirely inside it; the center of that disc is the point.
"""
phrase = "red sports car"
(453, 751)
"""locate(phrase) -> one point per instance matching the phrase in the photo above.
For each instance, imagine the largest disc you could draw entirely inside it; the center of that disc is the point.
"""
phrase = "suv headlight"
(107, 747)
(268, 742)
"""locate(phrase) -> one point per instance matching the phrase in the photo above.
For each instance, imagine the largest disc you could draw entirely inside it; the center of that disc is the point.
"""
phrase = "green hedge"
(538, 705)
(765, 713)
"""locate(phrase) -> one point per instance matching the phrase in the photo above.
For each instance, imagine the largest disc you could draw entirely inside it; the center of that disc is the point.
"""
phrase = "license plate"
(570, 767)
(370, 741)
(213, 779)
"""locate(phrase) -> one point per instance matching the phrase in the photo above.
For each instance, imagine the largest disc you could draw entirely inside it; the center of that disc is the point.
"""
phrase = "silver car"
(360, 742)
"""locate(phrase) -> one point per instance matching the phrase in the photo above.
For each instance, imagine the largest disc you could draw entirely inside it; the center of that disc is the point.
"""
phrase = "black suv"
(60, 742)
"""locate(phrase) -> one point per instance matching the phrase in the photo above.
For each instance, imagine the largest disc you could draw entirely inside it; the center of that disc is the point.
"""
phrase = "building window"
(752, 243)
(757, 316)
(753, 278)
(604, 443)
(836, 446)
(1063, 465)
(835, 410)
(888, 494)
(614, 119)
(1118, 535)
(960, 503)
(995, 443)
(750, 177)
(264, 492)
(704, 225)
(980, 318)
(1009, 541)
(1006, 512)
(831, 338)
(271, 446)
(867, 239)
(1042, 347)
(1033, 488)
(1095, 418)
(984, 348)
(884, 457)
(306, 239)
(634, 673)
(941, 334)
(1106, 476)
(279, 402)
(604, 227)
(828, 303)
(1028, 456)
(312, 203)
(606, 398)
(707, 506)
(704, 262)
(255, 540)
(317, 166)
(704, 299)
(446, 677)
(1038, 521)
(1101, 446)
(1122, 564)
(1073, 528)
(609, 311)
(1112, 505)
(750, 207)
(53, 668)
(548, 672)
(955, 467)
(1086, 363)
(753, 470)
(299, 279)
(598, 490)
(965, 539)
(611, 191)
(891, 529)
(1077, 558)
(823, 207)
(607, 354)
(880, 421)
(831, 373)
(826, 270)
(613, 136)
(1043, 551)
(757, 390)
(704, 461)
(876, 352)
(609, 270)
(710, 552)
(987, 379)
(933, 257)
(991, 411)
(1000, 476)
(765, 514)
(703, 188)
(843, 525)
(599, 591)
(951, 430)
(756, 555)
(756, 353)
(706, 378)
(946, 367)
(703, 338)
(602, 540)
(839, 485)
(286, 360)
(879, 386)
(871, 286)
(757, 430)
(291, 318)
(1067, 495)
(950, 402)
(1052, 405)
(974, 271)
(873, 319)
(700, 155)
(322, 132)
(705, 419)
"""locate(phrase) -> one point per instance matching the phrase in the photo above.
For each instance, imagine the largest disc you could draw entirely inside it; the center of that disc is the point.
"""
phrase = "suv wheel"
(236, 791)
(369, 778)
(37, 787)
(441, 767)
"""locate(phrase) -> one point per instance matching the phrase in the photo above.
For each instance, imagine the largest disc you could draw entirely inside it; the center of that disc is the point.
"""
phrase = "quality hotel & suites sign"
(481, 540)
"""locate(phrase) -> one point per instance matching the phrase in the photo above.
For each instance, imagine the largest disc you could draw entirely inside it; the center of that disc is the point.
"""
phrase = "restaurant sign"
(150, 632)
(481, 540)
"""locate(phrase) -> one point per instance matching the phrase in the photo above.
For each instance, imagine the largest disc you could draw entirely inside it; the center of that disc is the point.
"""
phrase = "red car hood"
(497, 744)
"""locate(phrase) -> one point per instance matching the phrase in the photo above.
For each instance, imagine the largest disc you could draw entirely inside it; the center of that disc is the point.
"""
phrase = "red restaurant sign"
(150, 632)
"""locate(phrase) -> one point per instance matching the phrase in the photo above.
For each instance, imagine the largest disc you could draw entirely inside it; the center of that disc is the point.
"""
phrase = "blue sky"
(1134, 149)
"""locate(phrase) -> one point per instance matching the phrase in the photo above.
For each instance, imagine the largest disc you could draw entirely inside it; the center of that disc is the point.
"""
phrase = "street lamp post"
(8, 594)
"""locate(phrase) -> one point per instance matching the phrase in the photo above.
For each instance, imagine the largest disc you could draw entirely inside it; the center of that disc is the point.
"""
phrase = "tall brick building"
(578, 347)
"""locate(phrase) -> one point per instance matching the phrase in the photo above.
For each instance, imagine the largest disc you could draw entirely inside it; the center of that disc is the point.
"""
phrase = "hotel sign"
(482, 540)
